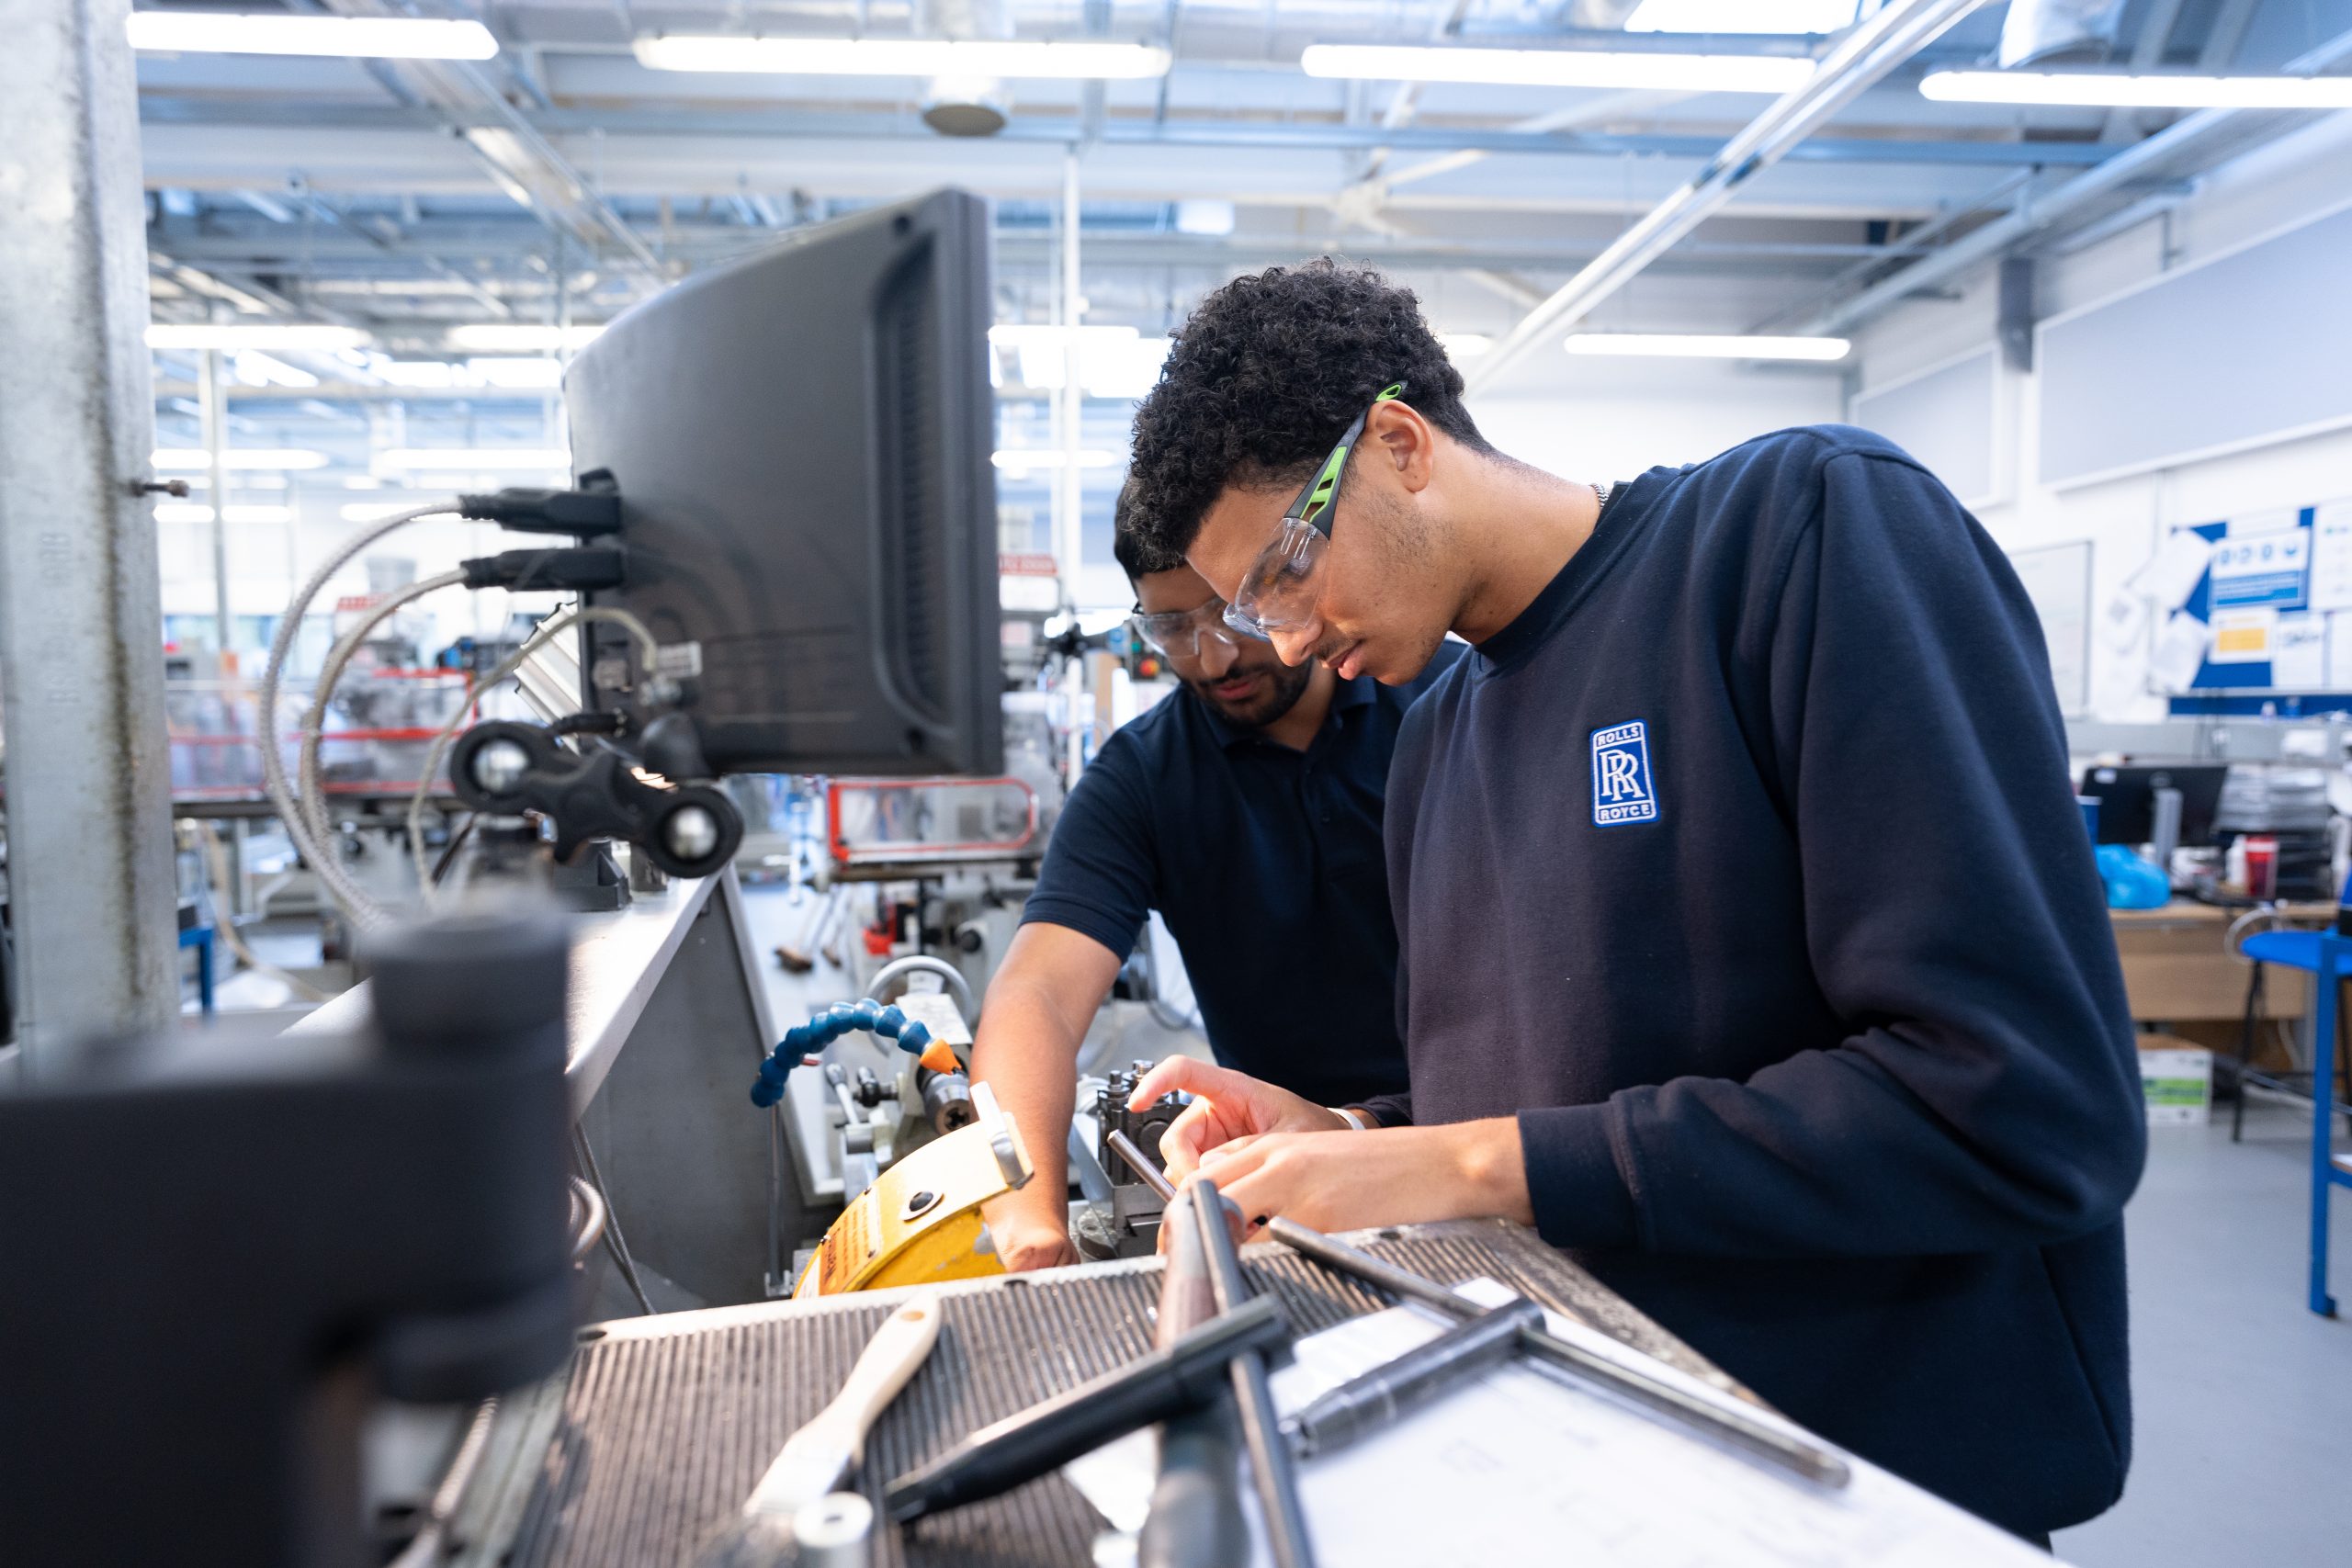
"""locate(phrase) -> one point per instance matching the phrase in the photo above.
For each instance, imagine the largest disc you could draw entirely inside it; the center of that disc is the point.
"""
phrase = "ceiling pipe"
(2052, 32)
(1868, 51)
(2069, 200)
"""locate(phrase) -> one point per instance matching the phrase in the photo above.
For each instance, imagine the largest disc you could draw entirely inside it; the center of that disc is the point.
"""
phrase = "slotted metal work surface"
(668, 1422)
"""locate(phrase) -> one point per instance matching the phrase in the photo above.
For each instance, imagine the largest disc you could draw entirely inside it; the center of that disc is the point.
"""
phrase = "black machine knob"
(471, 985)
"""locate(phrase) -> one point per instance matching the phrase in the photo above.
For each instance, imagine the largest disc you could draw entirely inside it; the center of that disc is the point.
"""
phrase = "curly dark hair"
(1135, 557)
(1264, 377)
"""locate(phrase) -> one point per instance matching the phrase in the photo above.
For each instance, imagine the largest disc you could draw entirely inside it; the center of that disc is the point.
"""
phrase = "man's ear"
(1400, 438)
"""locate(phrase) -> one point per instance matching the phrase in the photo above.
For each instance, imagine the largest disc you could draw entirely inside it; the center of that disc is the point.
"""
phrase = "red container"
(2262, 868)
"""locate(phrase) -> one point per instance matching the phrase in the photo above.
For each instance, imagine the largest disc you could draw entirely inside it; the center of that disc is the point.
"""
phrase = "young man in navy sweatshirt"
(1751, 944)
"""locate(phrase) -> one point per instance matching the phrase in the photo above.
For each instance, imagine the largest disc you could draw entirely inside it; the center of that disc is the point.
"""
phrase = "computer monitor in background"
(2127, 801)
(801, 443)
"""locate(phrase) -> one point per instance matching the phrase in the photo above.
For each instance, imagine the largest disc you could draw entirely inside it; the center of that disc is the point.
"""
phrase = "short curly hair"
(1264, 377)
(1135, 556)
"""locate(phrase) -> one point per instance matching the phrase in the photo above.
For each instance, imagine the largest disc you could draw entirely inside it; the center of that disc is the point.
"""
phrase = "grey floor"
(2243, 1449)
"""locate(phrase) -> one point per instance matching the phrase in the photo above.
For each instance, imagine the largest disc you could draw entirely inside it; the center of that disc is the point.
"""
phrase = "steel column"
(1069, 512)
(80, 618)
(214, 411)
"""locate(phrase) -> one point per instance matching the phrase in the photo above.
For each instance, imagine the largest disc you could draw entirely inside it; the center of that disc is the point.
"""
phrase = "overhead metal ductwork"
(2059, 32)
(965, 105)
(1866, 53)
(2080, 197)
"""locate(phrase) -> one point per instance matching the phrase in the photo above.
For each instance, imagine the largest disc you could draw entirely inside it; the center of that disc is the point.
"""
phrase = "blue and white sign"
(1622, 789)
(2251, 570)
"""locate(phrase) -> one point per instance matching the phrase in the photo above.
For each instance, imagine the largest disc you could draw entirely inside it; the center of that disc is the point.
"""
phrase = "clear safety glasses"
(1177, 634)
(1279, 591)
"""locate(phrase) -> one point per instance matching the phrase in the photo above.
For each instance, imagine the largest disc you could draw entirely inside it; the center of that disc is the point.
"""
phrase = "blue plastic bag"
(2131, 882)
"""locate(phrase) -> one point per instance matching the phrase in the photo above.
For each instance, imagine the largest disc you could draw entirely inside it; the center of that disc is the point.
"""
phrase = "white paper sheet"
(2123, 620)
(2180, 650)
(2339, 651)
(2332, 556)
(1516, 1467)
(2172, 573)
(2298, 653)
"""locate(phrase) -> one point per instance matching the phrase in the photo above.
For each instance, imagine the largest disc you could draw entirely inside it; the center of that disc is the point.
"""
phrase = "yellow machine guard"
(919, 1223)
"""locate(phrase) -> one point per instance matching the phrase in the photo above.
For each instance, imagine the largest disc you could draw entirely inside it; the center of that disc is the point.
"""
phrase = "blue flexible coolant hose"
(825, 1028)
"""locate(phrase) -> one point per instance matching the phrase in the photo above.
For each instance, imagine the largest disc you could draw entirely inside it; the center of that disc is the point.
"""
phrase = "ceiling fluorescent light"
(349, 37)
(2089, 89)
(197, 460)
(1691, 346)
(1808, 16)
(505, 457)
(520, 337)
(1023, 459)
(1086, 60)
(280, 336)
(1030, 334)
(255, 368)
(1770, 74)
(1464, 345)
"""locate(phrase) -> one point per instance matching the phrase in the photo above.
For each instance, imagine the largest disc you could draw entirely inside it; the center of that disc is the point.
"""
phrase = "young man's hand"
(1226, 1105)
(1392, 1176)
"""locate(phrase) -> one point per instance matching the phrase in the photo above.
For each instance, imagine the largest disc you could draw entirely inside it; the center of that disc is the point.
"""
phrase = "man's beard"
(1286, 685)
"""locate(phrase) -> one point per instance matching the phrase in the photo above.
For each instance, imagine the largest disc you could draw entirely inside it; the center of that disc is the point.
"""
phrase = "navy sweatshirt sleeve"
(1982, 1098)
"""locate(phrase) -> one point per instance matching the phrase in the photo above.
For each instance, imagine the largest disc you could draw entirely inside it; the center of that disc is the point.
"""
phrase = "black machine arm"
(689, 829)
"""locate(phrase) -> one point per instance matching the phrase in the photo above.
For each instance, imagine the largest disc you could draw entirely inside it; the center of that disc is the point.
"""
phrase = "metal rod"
(615, 1243)
(1142, 1163)
(1374, 1400)
(1271, 1463)
(1195, 1519)
(1761, 1438)
(1661, 1398)
(213, 411)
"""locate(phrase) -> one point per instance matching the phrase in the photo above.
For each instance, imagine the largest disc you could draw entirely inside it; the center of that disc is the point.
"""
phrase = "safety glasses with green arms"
(1279, 591)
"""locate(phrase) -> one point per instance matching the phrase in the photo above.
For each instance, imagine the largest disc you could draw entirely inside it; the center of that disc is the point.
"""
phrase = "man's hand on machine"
(1226, 1105)
(1027, 1236)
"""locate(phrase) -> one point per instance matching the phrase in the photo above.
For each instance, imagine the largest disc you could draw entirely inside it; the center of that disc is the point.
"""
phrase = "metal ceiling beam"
(515, 153)
(172, 109)
(328, 256)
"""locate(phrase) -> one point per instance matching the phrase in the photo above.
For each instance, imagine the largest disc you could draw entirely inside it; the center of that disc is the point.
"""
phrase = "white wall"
(2299, 178)
(1612, 419)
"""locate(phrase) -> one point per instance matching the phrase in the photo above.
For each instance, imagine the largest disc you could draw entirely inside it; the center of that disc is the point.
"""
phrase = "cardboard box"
(2177, 1080)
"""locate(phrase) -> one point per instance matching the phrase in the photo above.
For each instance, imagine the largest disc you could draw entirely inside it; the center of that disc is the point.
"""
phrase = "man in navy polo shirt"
(1752, 946)
(1289, 943)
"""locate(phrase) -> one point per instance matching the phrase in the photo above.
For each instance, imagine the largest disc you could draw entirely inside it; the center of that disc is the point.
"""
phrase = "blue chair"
(2328, 958)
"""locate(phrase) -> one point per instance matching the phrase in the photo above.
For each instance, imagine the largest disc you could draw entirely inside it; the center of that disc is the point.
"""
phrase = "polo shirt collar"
(1360, 691)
